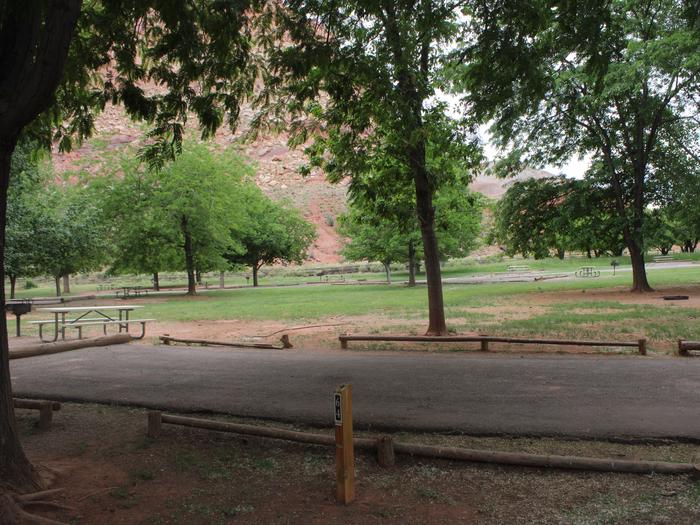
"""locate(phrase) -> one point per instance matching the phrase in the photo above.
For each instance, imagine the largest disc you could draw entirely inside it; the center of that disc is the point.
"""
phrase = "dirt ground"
(113, 474)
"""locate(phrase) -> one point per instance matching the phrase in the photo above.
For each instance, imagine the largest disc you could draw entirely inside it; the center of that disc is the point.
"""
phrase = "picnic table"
(102, 316)
(587, 271)
(128, 291)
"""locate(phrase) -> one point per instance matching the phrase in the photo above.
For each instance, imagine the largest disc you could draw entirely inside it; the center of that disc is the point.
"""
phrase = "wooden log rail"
(640, 344)
(686, 348)
(45, 408)
(386, 448)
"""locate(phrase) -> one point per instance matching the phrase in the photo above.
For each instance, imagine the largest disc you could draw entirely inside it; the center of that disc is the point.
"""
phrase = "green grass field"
(496, 308)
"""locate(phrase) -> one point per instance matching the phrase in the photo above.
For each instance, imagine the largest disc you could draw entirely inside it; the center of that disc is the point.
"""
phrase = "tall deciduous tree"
(613, 79)
(197, 52)
(374, 237)
(71, 235)
(363, 75)
(271, 232)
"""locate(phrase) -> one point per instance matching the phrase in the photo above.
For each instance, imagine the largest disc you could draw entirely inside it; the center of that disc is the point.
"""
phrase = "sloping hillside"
(276, 173)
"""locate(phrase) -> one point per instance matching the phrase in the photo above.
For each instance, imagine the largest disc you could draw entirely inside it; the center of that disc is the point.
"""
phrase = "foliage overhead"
(614, 79)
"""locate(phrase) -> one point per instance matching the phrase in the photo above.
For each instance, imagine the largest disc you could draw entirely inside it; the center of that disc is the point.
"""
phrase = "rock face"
(277, 172)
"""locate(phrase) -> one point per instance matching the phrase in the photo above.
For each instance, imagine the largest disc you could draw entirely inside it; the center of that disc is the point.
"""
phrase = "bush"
(29, 284)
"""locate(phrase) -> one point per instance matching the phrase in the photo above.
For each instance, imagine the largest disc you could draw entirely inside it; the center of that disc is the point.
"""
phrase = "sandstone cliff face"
(276, 169)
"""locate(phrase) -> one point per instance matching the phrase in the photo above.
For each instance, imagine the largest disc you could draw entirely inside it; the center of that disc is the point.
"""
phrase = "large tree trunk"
(156, 282)
(13, 284)
(189, 258)
(411, 264)
(57, 283)
(639, 272)
(255, 274)
(387, 270)
(66, 284)
(15, 469)
(433, 274)
(34, 37)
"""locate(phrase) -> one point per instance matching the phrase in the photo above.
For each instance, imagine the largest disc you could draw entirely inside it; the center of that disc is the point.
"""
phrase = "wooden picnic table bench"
(663, 258)
(103, 316)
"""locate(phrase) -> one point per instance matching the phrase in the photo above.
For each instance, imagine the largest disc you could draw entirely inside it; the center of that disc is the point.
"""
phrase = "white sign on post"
(338, 412)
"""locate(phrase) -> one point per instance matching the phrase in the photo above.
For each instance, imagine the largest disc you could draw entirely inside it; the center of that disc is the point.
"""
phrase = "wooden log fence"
(45, 408)
(386, 448)
(686, 348)
(484, 340)
(284, 343)
(66, 346)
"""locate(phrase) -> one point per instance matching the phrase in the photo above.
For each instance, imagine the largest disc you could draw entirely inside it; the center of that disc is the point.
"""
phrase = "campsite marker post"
(344, 453)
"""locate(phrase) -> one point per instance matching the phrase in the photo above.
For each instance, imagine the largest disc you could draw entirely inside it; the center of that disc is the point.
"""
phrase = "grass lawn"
(320, 301)
(549, 308)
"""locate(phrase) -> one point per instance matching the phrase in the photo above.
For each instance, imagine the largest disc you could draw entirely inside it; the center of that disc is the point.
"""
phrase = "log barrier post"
(642, 346)
(484, 345)
(385, 451)
(45, 415)
(155, 424)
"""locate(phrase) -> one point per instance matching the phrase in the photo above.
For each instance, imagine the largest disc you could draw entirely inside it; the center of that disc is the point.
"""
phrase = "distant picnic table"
(587, 271)
(102, 316)
(132, 291)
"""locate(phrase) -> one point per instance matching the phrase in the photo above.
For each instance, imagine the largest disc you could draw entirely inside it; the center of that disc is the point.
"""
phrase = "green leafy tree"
(615, 79)
(197, 200)
(372, 238)
(360, 78)
(71, 236)
(26, 182)
(271, 232)
(533, 217)
(198, 53)
(140, 240)
(537, 216)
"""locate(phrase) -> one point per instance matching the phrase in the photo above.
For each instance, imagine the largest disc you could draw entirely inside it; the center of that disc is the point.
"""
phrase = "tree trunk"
(13, 282)
(387, 269)
(35, 39)
(15, 469)
(189, 258)
(57, 282)
(66, 283)
(222, 276)
(664, 250)
(639, 272)
(588, 253)
(156, 282)
(255, 274)
(198, 276)
(411, 264)
(561, 253)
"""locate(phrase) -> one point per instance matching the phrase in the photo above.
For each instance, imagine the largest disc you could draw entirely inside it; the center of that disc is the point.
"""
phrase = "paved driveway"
(584, 396)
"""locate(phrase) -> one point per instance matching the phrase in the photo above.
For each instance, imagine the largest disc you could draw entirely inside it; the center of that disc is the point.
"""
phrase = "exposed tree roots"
(15, 509)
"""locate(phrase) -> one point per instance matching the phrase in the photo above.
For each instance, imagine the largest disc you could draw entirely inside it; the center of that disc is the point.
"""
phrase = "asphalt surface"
(575, 396)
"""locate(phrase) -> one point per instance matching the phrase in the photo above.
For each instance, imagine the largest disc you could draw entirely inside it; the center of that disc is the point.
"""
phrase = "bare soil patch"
(114, 475)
